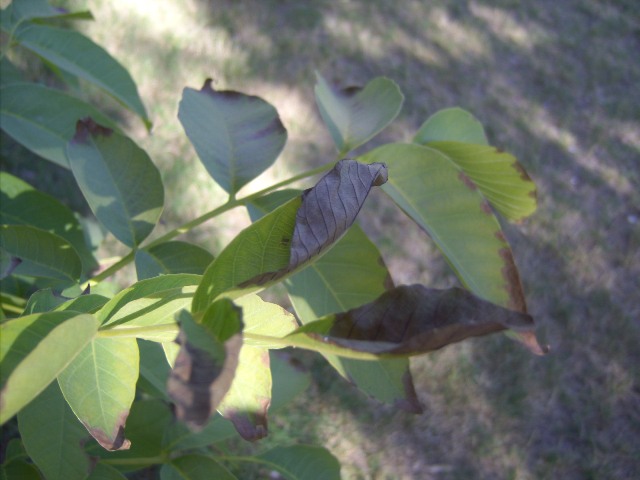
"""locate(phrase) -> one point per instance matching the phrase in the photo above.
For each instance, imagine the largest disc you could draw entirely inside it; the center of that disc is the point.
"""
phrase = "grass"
(556, 84)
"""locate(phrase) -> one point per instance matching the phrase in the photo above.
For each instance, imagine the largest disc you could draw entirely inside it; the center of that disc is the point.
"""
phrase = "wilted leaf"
(41, 254)
(54, 437)
(352, 273)
(171, 257)
(120, 182)
(355, 115)
(247, 401)
(451, 124)
(411, 320)
(236, 136)
(292, 235)
(100, 385)
(44, 119)
(34, 349)
(206, 363)
(76, 54)
(303, 462)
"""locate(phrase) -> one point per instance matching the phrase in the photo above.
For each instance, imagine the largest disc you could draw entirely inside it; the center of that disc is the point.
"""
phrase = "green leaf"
(120, 182)
(9, 74)
(431, 190)
(236, 136)
(100, 385)
(262, 247)
(259, 207)
(194, 467)
(103, 471)
(44, 119)
(350, 274)
(262, 318)
(354, 115)
(178, 437)
(290, 237)
(85, 303)
(23, 205)
(41, 254)
(206, 363)
(147, 309)
(40, 10)
(79, 56)
(31, 355)
(19, 470)
(53, 436)
(451, 124)
(171, 257)
(303, 462)
(247, 401)
(498, 176)
(154, 369)
(43, 301)
(148, 420)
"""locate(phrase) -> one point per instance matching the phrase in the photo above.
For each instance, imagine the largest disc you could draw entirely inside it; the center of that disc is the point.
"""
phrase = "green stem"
(168, 328)
(230, 204)
(142, 461)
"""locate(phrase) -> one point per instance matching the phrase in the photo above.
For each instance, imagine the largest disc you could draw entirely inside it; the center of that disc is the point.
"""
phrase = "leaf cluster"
(96, 378)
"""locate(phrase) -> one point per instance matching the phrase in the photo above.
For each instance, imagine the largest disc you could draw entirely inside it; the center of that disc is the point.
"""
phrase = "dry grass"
(557, 84)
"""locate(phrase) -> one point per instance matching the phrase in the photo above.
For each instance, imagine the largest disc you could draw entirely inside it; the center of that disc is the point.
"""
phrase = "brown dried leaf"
(410, 320)
(206, 363)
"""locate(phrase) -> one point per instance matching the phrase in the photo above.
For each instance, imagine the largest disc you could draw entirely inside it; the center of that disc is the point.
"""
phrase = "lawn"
(556, 83)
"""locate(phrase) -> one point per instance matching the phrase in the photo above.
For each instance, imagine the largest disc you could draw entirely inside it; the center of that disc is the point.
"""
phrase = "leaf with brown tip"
(206, 363)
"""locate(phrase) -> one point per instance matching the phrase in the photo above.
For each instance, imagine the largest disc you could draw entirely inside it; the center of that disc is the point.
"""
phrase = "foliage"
(192, 330)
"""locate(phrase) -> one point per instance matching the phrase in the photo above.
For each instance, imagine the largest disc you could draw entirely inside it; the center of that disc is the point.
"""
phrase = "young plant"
(191, 339)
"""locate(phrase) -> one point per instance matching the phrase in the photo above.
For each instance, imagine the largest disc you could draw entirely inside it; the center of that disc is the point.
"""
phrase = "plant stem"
(142, 461)
(155, 330)
(230, 204)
